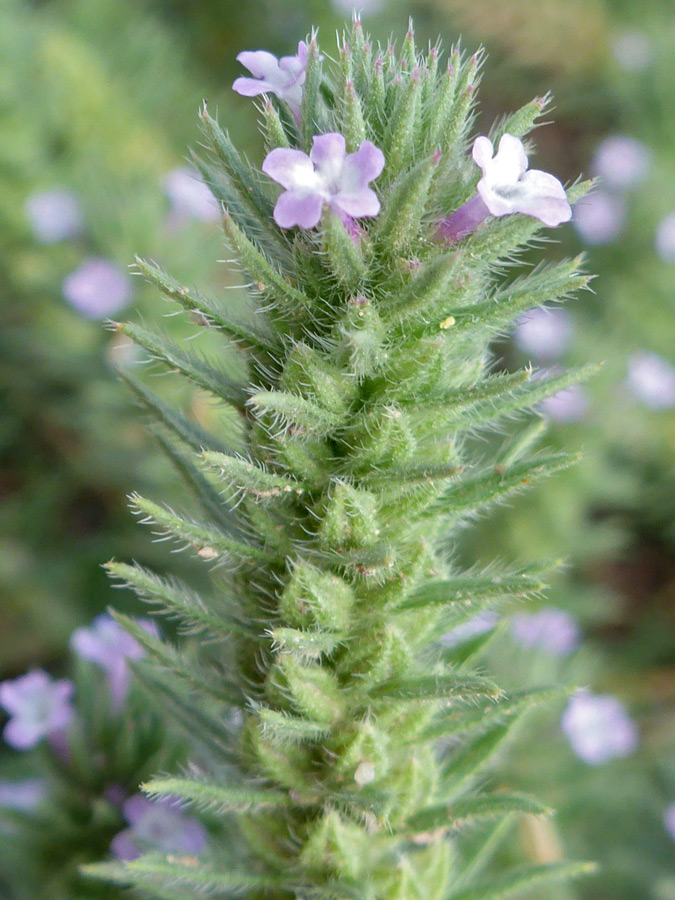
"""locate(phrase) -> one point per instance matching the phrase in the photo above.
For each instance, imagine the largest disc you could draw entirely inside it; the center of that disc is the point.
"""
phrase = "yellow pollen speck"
(447, 323)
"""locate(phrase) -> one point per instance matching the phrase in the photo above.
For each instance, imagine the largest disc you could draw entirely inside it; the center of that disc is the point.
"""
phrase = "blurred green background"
(98, 105)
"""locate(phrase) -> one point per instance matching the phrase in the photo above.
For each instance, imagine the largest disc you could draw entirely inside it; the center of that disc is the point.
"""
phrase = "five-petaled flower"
(507, 186)
(39, 707)
(109, 646)
(283, 77)
(327, 176)
(157, 825)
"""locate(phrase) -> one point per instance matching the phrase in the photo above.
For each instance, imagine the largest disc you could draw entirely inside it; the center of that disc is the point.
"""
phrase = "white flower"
(508, 187)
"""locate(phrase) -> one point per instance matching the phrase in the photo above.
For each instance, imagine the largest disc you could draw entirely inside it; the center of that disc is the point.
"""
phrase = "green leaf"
(210, 500)
(213, 380)
(208, 541)
(216, 798)
(192, 434)
(437, 687)
(486, 488)
(245, 180)
(246, 477)
(522, 880)
(344, 255)
(176, 662)
(470, 810)
(547, 284)
(483, 718)
(399, 223)
(189, 874)
(401, 133)
(267, 277)
(284, 727)
(312, 110)
(179, 601)
(298, 412)
(351, 122)
(476, 590)
(218, 314)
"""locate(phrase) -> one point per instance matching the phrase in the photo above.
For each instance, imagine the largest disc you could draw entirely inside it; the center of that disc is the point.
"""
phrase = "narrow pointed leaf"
(216, 798)
(197, 370)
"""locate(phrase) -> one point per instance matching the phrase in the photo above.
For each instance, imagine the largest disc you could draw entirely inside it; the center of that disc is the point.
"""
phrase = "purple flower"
(544, 333)
(97, 288)
(598, 727)
(283, 77)
(109, 646)
(507, 186)
(669, 820)
(652, 380)
(599, 218)
(157, 825)
(621, 161)
(665, 239)
(39, 707)
(189, 195)
(328, 176)
(22, 795)
(569, 405)
(363, 6)
(552, 630)
(477, 625)
(54, 216)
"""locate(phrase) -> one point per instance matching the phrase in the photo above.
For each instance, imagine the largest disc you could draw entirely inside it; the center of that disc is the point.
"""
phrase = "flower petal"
(301, 208)
(260, 63)
(22, 734)
(510, 160)
(328, 155)
(482, 152)
(543, 197)
(361, 167)
(251, 87)
(292, 169)
(362, 203)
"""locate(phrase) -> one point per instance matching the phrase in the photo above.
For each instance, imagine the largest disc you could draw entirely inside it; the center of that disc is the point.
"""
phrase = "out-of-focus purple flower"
(363, 6)
(98, 288)
(570, 405)
(599, 218)
(665, 238)
(109, 646)
(669, 820)
(22, 795)
(54, 216)
(631, 50)
(544, 333)
(39, 707)
(329, 175)
(189, 195)
(652, 380)
(549, 629)
(283, 77)
(157, 825)
(598, 727)
(621, 161)
(479, 624)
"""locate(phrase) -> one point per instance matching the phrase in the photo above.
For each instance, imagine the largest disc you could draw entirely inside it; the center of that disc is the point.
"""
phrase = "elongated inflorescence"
(339, 747)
